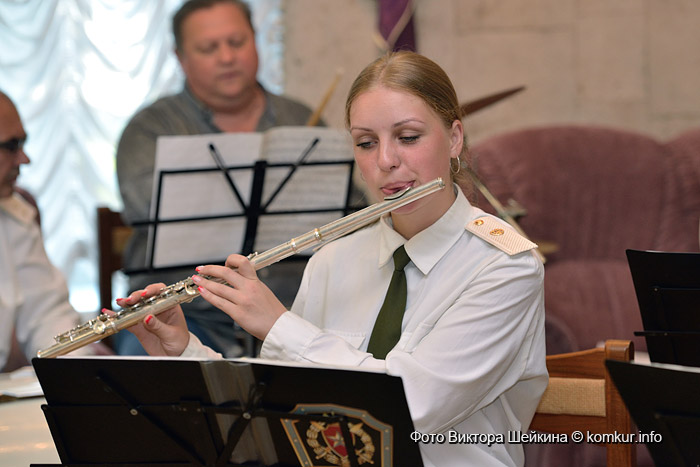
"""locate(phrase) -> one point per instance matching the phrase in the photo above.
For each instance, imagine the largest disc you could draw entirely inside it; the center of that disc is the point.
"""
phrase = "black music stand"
(265, 194)
(664, 402)
(177, 412)
(250, 213)
(668, 291)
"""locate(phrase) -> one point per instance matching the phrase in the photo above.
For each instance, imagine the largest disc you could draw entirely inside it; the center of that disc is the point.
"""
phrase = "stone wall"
(631, 64)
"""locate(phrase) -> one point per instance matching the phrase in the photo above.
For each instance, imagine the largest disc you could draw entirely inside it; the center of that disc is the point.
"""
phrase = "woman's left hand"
(244, 297)
(166, 334)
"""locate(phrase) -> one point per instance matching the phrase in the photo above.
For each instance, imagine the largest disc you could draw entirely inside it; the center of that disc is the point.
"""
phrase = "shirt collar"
(269, 115)
(267, 118)
(206, 113)
(428, 246)
(17, 208)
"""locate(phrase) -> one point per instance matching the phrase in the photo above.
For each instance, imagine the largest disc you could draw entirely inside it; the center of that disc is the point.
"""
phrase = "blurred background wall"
(626, 63)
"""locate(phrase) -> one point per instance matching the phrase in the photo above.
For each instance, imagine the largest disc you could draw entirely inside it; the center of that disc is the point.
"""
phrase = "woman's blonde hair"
(417, 75)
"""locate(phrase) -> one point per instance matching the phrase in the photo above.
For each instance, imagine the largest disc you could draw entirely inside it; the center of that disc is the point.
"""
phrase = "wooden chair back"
(112, 235)
(582, 397)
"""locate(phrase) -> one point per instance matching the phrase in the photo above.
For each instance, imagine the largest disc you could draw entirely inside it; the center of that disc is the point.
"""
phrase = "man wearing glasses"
(34, 304)
(12, 138)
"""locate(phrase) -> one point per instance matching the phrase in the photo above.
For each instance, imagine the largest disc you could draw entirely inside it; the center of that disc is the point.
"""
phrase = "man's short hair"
(191, 6)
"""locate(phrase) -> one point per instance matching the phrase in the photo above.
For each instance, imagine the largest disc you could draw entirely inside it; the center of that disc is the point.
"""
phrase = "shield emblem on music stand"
(318, 443)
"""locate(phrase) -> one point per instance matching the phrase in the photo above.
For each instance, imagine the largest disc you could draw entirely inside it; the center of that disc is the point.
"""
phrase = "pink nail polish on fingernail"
(143, 294)
(149, 318)
(200, 289)
(104, 310)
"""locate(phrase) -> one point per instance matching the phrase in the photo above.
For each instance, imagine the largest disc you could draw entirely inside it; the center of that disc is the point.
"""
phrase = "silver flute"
(186, 290)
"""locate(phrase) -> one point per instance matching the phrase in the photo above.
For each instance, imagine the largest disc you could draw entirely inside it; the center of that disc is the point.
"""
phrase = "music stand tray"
(664, 402)
(177, 412)
(668, 291)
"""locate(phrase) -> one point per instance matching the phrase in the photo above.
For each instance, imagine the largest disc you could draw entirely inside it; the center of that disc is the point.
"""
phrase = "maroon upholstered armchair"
(592, 192)
(685, 153)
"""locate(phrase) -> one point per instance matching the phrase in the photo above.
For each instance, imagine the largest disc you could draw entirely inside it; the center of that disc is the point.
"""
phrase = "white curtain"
(77, 70)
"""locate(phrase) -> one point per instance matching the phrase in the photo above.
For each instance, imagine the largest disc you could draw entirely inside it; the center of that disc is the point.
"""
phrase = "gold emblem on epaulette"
(501, 236)
(327, 442)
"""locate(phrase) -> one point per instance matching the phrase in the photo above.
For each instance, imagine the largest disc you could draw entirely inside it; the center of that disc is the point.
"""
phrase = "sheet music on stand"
(257, 196)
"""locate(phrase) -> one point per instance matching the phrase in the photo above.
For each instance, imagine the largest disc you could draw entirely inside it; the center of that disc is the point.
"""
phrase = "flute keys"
(99, 327)
(191, 289)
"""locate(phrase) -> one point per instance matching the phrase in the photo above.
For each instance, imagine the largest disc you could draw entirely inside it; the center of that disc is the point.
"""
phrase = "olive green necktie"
(387, 328)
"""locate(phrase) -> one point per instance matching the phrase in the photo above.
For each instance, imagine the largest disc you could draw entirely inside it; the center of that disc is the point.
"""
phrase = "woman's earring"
(452, 168)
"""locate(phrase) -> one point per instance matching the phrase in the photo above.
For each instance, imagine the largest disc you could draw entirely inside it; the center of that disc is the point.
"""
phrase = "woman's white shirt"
(472, 349)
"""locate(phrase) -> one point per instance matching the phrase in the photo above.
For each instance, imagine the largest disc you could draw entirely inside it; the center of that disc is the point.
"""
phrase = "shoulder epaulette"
(499, 234)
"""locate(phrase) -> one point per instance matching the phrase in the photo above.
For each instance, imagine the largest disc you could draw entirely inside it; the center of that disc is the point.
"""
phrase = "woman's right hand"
(162, 335)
